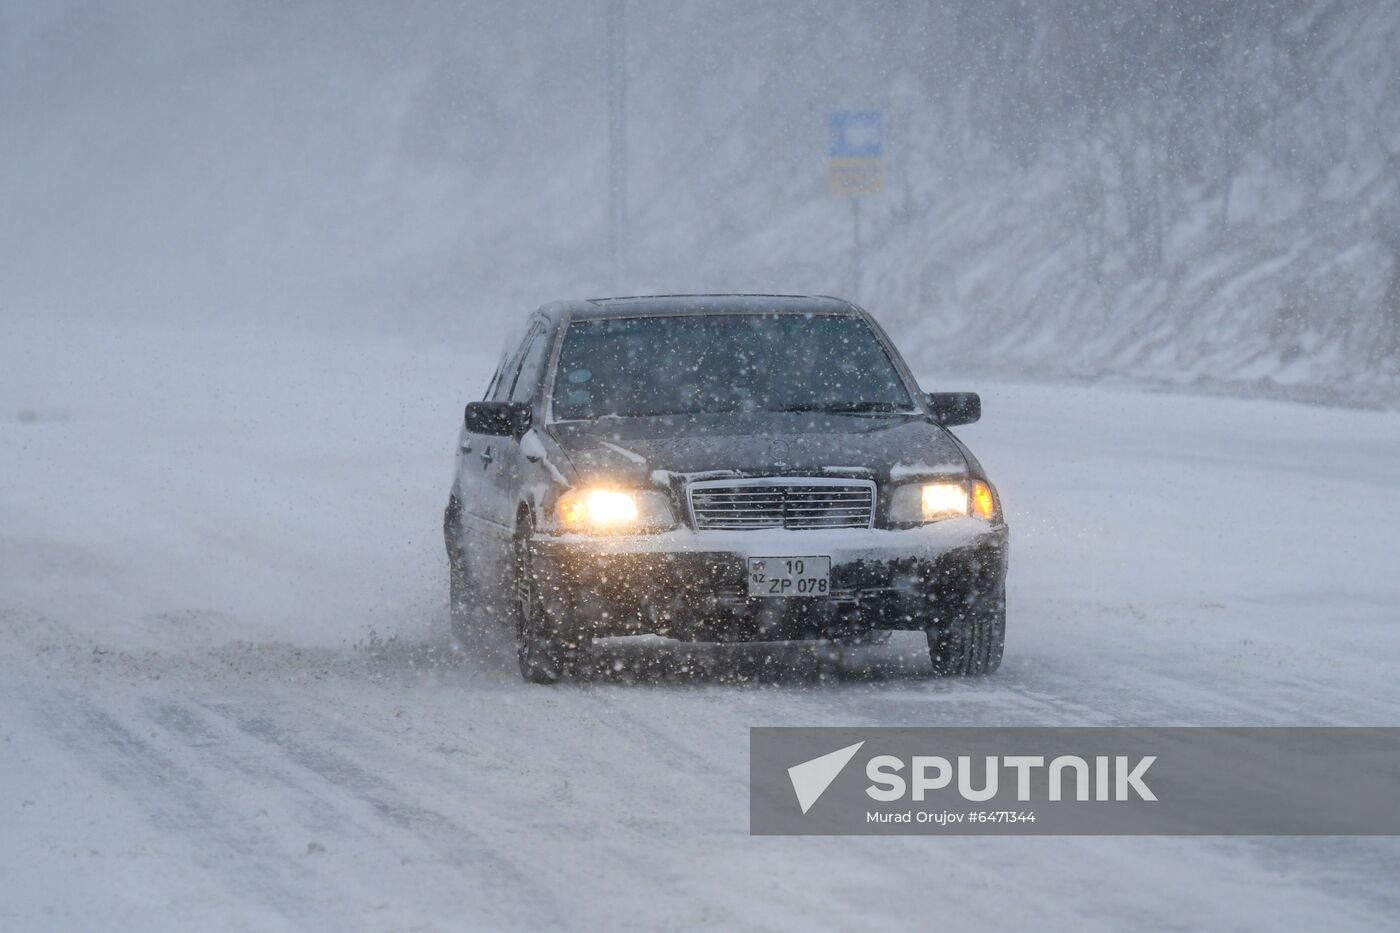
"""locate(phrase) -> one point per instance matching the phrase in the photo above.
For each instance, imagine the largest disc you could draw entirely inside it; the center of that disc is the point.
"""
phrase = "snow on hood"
(652, 450)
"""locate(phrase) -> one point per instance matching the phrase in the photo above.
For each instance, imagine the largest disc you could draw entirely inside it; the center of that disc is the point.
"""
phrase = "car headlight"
(920, 503)
(613, 511)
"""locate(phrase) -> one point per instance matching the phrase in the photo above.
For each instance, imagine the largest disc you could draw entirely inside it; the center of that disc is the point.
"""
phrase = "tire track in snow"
(183, 807)
(464, 847)
(569, 844)
(215, 749)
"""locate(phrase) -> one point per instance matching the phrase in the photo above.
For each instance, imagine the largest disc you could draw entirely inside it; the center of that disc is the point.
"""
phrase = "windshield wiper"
(845, 408)
(827, 408)
(651, 413)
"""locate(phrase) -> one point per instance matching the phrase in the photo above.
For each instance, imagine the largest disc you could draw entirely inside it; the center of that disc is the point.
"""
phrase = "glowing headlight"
(601, 511)
(932, 502)
(943, 500)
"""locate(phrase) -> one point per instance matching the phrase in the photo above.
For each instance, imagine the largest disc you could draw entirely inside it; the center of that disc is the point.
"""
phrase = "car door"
(475, 454)
(490, 468)
(508, 469)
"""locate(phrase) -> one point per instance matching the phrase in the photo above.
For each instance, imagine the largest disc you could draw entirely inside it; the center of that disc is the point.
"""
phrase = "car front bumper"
(693, 585)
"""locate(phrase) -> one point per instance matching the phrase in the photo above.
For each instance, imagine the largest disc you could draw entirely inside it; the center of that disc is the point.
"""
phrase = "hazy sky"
(1090, 181)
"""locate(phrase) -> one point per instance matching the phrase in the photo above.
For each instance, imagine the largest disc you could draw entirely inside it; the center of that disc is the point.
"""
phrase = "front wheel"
(970, 643)
(544, 655)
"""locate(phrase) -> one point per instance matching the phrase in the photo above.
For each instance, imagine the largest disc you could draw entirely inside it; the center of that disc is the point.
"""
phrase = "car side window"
(502, 388)
(530, 367)
(495, 382)
(509, 371)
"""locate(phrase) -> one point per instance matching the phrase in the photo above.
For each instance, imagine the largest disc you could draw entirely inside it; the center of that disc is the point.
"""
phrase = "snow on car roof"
(632, 306)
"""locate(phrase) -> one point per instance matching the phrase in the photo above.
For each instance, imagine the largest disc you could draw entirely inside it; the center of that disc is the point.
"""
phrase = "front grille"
(795, 503)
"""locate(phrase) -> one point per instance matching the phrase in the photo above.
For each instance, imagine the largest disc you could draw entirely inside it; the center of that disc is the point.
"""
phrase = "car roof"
(671, 305)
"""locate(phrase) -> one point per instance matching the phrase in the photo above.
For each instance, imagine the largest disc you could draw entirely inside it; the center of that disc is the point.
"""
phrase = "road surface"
(228, 696)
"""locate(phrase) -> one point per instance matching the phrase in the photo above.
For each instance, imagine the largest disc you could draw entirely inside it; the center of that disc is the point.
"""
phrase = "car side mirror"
(502, 419)
(954, 408)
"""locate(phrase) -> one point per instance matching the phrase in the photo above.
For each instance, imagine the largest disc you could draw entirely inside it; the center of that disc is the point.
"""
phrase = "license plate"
(789, 576)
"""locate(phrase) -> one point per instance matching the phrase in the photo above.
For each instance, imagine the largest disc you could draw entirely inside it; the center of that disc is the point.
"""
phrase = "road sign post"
(617, 142)
(857, 169)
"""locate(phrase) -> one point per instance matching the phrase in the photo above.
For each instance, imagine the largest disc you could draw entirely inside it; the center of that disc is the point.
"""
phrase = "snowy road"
(197, 728)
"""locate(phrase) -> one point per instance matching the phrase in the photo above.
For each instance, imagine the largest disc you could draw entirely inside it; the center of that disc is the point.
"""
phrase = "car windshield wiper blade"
(831, 408)
(649, 413)
(845, 408)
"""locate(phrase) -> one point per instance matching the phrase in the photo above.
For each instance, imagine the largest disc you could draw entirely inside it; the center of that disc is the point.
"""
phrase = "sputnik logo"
(811, 778)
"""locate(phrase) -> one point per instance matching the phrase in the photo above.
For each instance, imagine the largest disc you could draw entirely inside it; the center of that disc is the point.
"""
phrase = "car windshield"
(724, 363)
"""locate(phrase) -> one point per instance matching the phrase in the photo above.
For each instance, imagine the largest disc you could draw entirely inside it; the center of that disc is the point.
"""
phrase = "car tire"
(459, 595)
(544, 655)
(970, 643)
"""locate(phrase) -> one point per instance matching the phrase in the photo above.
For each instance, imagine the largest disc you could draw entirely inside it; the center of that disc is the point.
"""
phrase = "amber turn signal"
(984, 504)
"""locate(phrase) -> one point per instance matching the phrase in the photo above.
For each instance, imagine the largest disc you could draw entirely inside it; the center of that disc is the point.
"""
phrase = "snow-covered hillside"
(1202, 193)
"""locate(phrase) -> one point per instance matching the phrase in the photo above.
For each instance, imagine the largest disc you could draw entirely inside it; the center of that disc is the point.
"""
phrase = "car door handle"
(486, 457)
(467, 447)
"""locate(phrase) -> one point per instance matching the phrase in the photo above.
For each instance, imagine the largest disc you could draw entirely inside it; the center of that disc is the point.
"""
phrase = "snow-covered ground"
(228, 697)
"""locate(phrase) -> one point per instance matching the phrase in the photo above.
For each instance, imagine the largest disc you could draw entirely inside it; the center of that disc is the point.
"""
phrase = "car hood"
(642, 450)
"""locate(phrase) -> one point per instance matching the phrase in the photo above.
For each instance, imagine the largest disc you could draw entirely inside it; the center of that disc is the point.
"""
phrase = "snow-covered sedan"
(721, 468)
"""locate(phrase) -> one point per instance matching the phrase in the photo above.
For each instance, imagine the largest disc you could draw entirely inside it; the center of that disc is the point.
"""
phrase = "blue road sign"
(857, 134)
